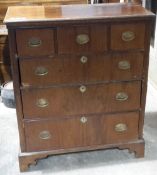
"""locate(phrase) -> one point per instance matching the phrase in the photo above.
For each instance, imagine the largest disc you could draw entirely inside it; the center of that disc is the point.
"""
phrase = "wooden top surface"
(22, 14)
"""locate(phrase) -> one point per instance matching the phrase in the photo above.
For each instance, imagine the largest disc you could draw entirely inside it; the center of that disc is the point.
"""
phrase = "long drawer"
(80, 69)
(81, 131)
(78, 100)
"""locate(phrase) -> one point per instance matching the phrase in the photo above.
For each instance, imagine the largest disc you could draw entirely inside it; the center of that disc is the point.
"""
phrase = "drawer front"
(81, 131)
(65, 133)
(65, 69)
(35, 42)
(127, 36)
(126, 66)
(69, 101)
(47, 71)
(82, 39)
(122, 127)
(80, 69)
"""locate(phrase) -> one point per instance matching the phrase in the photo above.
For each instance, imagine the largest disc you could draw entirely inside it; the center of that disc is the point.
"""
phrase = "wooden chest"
(80, 77)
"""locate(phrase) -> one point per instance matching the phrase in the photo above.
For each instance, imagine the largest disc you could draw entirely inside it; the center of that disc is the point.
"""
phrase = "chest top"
(28, 14)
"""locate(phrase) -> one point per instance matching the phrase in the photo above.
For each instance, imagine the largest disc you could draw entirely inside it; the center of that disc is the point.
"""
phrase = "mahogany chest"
(80, 77)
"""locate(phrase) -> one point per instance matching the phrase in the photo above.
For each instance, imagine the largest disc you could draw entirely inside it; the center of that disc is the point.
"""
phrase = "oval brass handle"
(82, 39)
(83, 119)
(41, 71)
(124, 65)
(42, 103)
(44, 135)
(34, 42)
(83, 89)
(83, 59)
(121, 96)
(128, 36)
(121, 127)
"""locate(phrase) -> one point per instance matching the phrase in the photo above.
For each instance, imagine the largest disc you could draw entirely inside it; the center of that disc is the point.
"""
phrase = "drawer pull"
(121, 127)
(128, 36)
(84, 59)
(83, 119)
(83, 89)
(41, 71)
(82, 39)
(121, 96)
(124, 65)
(42, 103)
(44, 135)
(34, 42)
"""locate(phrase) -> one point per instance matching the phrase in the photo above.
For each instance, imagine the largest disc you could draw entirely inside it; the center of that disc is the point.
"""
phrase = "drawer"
(122, 127)
(78, 100)
(47, 71)
(82, 39)
(127, 36)
(65, 133)
(65, 69)
(126, 66)
(80, 131)
(80, 69)
(35, 42)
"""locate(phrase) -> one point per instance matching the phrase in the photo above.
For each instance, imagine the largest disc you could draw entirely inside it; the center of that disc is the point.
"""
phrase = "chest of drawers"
(80, 77)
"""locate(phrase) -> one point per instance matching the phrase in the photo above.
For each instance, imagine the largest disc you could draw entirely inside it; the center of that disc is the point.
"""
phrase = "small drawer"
(35, 42)
(82, 39)
(83, 99)
(81, 131)
(122, 127)
(127, 36)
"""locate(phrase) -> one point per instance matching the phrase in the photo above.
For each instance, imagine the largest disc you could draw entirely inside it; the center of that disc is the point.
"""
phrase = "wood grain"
(70, 69)
(74, 13)
(67, 101)
(5, 4)
(27, 159)
(97, 39)
(116, 35)
(46, 36)
(97, 130)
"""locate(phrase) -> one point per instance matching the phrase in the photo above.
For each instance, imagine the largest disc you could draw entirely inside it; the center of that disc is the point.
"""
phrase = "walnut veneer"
(80, 77)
